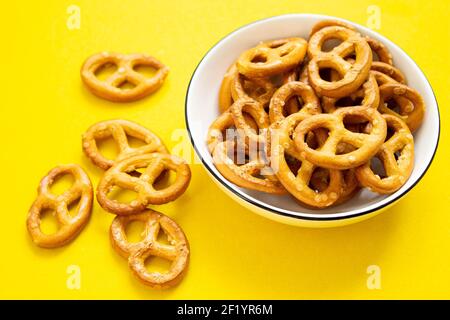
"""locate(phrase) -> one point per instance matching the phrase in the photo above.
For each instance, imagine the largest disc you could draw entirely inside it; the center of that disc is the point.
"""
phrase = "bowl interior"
(202, 110)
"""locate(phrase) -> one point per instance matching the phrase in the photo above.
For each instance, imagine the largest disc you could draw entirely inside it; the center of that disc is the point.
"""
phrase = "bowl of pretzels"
(312, 120)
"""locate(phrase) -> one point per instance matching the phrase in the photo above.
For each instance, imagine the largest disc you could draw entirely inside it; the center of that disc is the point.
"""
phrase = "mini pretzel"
(154, 164)
(119, 130)
(294, 89)
(412, 113)
(69, 227)
(397, 171)
(110, 88)
(136, 253)
(225, 97)
(379, 48)
(257, 112)
(353, 74)
(297, 183)
(368, 92)
(388, 70)
(366, 145)
(249, 175)
(272, 57)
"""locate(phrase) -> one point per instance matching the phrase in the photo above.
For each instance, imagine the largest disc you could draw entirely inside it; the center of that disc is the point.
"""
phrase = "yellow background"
(235, 253)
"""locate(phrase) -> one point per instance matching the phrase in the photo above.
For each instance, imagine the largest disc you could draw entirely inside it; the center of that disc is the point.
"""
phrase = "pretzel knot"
(397, 156)
(69, 226)
(353, 74)
(126, 65)
(272, 57)
(137, 252)
(366, 145)
(119, 130)
(297, 181)
(154, 164)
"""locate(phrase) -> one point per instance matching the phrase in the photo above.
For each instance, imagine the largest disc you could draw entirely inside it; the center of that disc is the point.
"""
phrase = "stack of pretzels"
(316, 119)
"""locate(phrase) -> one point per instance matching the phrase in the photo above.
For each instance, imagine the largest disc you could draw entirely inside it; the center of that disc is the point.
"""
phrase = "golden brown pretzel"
(388, 70)
(411, 113)
(119, 130)
(225, 97)
(380, 50)
(330, 23)
(257, 112)
(368, 93)
(154, 164)
(297, 183)
(366, 145)
(272, 57)
(353, 74)
(397, 170)
(136, 253)
(285, 93)
(254, 174)
(110, 88)
(69, 227)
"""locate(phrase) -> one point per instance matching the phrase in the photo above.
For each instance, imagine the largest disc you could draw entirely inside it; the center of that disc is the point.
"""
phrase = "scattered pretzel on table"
(69, 226)
(154, 164)
(137, 252)
(126, 63)
(119, 130)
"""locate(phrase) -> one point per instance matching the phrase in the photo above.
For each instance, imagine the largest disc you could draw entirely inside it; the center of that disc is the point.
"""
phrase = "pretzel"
(136, 253)
(272, 57)
(350, 185)
(388, 70)
(412, 113)
(366, 145)
(225, 97)
(353, 74)
(397, 171)
(250, 175)
(69, 227)
(297, 183)
(256, 111)
(110, 88)
(368, 93)
(291, 90)
(119, 130)
(154, 164)
(379, 48)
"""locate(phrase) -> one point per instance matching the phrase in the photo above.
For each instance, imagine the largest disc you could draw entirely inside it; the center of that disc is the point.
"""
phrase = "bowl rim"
(300, 216)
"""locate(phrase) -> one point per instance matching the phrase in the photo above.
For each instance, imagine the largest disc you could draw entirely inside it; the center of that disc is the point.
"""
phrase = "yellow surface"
(235, 253)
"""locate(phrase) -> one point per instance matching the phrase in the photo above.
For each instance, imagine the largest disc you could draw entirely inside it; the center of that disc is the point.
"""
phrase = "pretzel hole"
(49, 224)
(293, 164)
(315, 139)
(357, 123)
(108, 148)
(329, 74)
(393, 105)
(349, 101)
(377, 167)
(134, 231)
(259, 58)
(165, 180)
(146, 70)
(330, 44)
(390, 132)
(344, 148)
(105, 71)
(134, 142)
(62, 183)
(320, 179)
(163, 237)
(157, 264)
(122, 195)
(72, 208)
(126, 85)
(397, 154)
(286, 52)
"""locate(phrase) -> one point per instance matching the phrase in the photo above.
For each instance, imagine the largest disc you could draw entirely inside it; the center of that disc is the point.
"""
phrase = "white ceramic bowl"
(202, 109)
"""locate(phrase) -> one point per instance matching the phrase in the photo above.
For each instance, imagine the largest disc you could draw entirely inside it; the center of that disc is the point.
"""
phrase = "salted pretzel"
(69, 226)
(119, 130)
(298, 182)
(353, 74)
(272, 57)
(388, 70)
(366, 145)
(154, 164)
(400, 144)
(225, 97)
(137, 252)
(285, 93)
(368, 93)
(110, 88)
(411, 113)
(255, 174)
(257, 112)
(377, 47)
